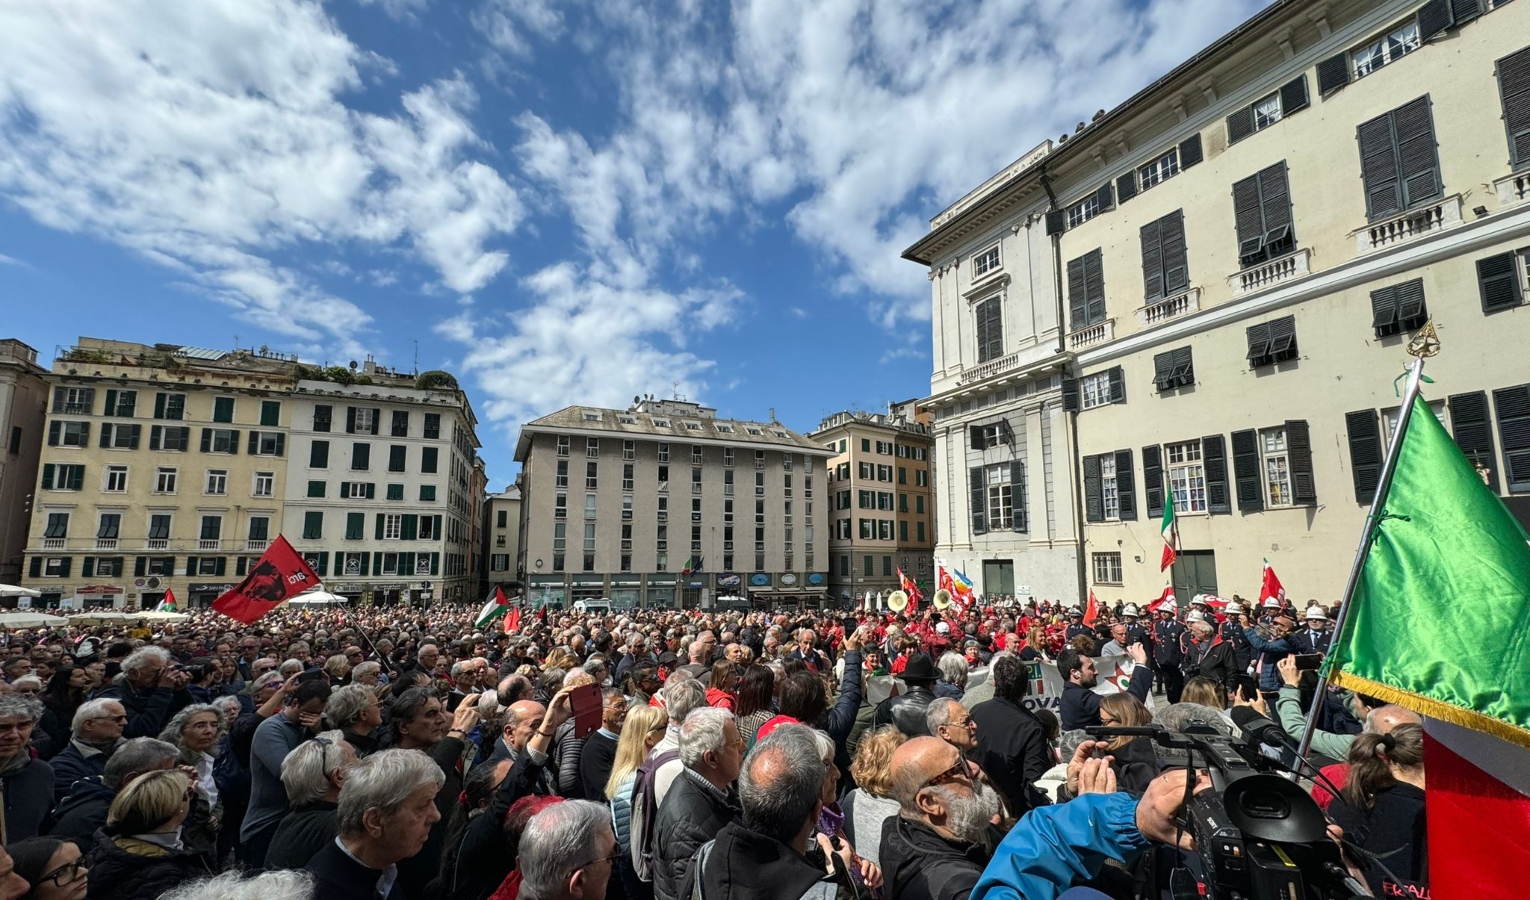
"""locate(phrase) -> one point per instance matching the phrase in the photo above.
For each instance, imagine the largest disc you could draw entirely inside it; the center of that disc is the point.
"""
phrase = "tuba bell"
(897, 600)
(943, 599)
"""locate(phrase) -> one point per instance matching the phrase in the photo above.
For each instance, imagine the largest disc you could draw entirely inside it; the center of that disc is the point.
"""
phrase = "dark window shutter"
(1513, 408)
(106, 434)
(85, 434)
(1105, 197)
(76, 478)
(1117, 382)
(35, 569)
(134, 435)
(1240, 124)
(1184, 367)
(1152, 261)
(1333, 73)
(1378, 167)
(1514, 89)
(1498, 279)
(1246, 474)
(1416, 152)
(254, 442)
(1474, 433)
(1163, 367)
(1410, 304)
(350, 420)
(110, 407)
(1057, 222)
(1070, 397)
(1078, 295)
(1214, 457)
(409, 527)
(975, 434)
(1094, 506)
(159, 412)
(1094, 287)
(207, 440)
(1152, 480)
(140, 566)
(1176, 269)
(281, 444)
(1126, 187)
(1017, 495)
(1283, 339)
(239, 567)
(379, 529)
(1293, 95)
(371, 490)
(1259, 345)
(1364, 453)
(435, 564)
(53, 431)
(1126, 486)
(995, 343)
(64, 569)
(1248, 217)
(88, 564)
(47, 476)
(1433, 19)
(1275, 207)
(167, 563)
(1190, 152)
(233, 441)
(1384, 310)
(1299, 453)
(376, 419)
(979, 499)
(1463, 11)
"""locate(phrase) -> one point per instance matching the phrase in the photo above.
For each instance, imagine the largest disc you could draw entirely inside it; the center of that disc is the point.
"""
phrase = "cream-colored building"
(664, 504)
(881, 514)
(23, 409)
(502, 549)
(1245, 248)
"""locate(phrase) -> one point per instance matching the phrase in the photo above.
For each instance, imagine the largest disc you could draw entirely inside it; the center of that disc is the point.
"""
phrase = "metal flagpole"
(1383, 485)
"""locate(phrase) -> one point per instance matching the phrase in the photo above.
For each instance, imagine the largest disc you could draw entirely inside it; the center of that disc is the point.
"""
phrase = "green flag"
(1440, 620)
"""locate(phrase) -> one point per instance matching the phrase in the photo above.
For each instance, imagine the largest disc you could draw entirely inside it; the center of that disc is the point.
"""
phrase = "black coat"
(338, 877)
(70, 766)
(482, 860)
(1243, 651)
(303, 832)
(148, 711)
(745, 865)
(1215, 659)
(124, 868)
(81, 814)
(906, 711)
(1167, 651)
(1079, 707)
(919, 864)
(28, 790)
(1395, 830)
(1012, 749)
(691, 815)
(419, 870)
(1304, 642)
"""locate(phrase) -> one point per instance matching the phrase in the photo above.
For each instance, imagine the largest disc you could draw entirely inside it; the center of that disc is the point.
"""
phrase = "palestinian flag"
(1449, 561)
(1170, 535)
(168, 604)
(495, 606)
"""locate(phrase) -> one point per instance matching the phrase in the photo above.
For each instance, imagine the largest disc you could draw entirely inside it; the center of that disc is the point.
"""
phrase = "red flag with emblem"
(277, 576)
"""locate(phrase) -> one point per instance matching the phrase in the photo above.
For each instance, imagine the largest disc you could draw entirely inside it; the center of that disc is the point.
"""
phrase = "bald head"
(1383, 719)
(915, 763)
(521, 721)
(698, 652)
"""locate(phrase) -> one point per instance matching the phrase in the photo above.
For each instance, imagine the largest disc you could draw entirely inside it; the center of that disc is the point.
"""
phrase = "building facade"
(880, 500)
(1245, 249)
(380, 497)
(23, 411)
(664, 504)
(502, 549)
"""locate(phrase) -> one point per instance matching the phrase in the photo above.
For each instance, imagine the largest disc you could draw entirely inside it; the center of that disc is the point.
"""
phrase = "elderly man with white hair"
(386, 810)
(313, 775)
(95, 732)
(151, 689)
(568, 852)
(701, 801)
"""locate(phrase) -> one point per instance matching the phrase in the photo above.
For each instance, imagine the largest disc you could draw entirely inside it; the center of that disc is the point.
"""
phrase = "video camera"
(1259, 835)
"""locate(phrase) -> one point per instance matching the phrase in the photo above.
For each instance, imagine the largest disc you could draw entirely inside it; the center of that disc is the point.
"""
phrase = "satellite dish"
(353, 364)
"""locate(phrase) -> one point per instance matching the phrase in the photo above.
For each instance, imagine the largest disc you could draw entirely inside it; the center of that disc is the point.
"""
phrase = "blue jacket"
(71, 765)
(1270, 653)
(1054, 845)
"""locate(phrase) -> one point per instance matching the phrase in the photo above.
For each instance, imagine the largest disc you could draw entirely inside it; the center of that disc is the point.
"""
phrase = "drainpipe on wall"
(1062, 330)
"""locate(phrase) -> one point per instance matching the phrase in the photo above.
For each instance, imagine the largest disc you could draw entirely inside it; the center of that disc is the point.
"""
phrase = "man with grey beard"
(938, 845)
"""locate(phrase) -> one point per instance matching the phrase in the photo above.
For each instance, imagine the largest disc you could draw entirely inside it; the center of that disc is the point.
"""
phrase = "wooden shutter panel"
(366, 557)
(1078, 295)
(140, 566)
(1057, 222)
(1152, 479)
(1378, 167)
(110, 407)
(233, 441)
(980, 319)
(379, 534)
(1433, 19)
(1190, 152)
(1293, 95)
(1176, 270)
(995, 328)
(1248, 217)
(53, 432)
(1240, 124)
(206, 440)
(376, 420)
(1017, 495)
(281, 444)
(88, 566)
(1094, 287)
(1383, 310)
(1258, 345)
(409, 527)
(1094, 506)
(1364, 453)
(975, 433)
(254, 442)
(1498, 280)
(1246, 474)
(159, 411)
(1474, 433)
(979, 500)
(1417, 159)
(1333, 73)
(63, 570)
(1117, 382)
(1163, 366)
(106, 434)
(47, 476)
(1514, 89)
(1275, 204)
(1152, 261)
(1070, 396)
(1184, 366)
(1126, 187)
(371, 490)
(1299, 453)
(1410, 301)
(1214, 458)
(435, 564)
(76, 478)
(350, 420)
(35, 568)
(1463, 11)
(1105, 197)
(1513, 408)
(1126, 486)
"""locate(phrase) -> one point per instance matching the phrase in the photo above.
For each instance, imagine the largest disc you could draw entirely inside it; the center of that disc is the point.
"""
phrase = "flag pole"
(1367, 533)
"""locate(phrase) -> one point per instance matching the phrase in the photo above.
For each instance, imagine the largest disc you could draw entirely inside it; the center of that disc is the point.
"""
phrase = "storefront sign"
(760, 579)
(815, 578)
(207, 588)
(789, 579)
(99, 590)
(728, 580)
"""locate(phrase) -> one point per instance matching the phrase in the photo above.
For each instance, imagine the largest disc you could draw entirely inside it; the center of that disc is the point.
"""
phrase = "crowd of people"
(401, 754)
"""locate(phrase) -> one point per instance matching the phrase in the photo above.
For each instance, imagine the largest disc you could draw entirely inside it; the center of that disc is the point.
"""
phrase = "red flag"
(513, 619)
(1271, 586)
(1478, 801)
(279, 574)
(1092, 611)
(1165, 601)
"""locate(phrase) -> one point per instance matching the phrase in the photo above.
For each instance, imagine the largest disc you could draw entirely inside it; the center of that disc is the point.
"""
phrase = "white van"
(601, 606)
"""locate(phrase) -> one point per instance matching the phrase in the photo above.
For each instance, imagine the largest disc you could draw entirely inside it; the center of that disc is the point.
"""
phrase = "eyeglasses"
(65, 874)
(962, 769)
(122, 719)
(612, 858)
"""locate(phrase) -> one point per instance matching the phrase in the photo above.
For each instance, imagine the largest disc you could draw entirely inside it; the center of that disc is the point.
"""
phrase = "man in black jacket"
(95, 733)
(81, 814)
(387, 808)
(1012, 743)
(1080, 705)
(934, 848)
(420, 722)
(151, 689)
(312, 775)
(26, 784)
(906, 712)
(1168, 650)
(1210, 656)
(702, 799)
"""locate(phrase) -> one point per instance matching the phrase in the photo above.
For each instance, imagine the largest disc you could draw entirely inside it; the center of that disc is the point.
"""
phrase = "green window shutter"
(134, 436)
(140, 565)
(159, 406)
(76, 478)
(239, 567)
(377, 561)
(366, 559)
(35, 571)
(316, 489)
(435, 563)
(53, 430)
(323, 562)
(437, 527)
(409, 528)
(64, 570)
(1094, 510)
(88, 564)
(47, 476)
(406, 564)
(355, 523)
(219, 566)
(106, 434)
(379, 529)
(110, 409)
(207, 440)
(371, 491)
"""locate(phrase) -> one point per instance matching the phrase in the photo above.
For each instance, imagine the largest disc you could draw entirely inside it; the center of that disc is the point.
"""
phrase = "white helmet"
(1199, 600)
(1271, 603)
(1234, 608)
(1195, 616)
(1132, 610)
(1316, 612)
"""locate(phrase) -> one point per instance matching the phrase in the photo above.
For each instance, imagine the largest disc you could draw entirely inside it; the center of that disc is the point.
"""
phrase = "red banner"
(278, 575)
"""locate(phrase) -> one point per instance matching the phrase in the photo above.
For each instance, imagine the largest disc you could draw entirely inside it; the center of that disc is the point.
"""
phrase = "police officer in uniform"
(1168, 652)
(1076, 626)
(1317, 636)
(1232, 634)
(1136, 633)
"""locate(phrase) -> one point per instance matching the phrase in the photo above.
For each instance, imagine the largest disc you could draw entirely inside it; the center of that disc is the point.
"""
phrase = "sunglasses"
(961, 769)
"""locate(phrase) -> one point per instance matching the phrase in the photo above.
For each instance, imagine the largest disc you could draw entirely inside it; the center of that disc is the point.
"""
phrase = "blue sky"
(562, 202)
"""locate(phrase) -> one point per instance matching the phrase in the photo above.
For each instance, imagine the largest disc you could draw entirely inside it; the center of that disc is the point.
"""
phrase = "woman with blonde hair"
(645, 727)
(338, 668)
(139, 854)
(871, 803)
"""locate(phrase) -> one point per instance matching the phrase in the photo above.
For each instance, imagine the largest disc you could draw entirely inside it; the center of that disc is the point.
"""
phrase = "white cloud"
(213, 136)
(510, 25)
(12, 261)
(403, 10)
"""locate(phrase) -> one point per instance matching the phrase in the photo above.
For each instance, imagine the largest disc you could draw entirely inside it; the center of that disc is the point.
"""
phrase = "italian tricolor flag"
(497, 605)
(1438, 624)
(167, 604)
(1170, 533)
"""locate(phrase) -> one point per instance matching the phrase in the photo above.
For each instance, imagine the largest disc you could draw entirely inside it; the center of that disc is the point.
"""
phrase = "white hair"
(704, 730)
(953, 667)
(347, 704)
(682, 697)
(92, 709)
(306, 770)
(939, 712)
(146, 656)
(384, 781)
(557, 841)
(288, 884)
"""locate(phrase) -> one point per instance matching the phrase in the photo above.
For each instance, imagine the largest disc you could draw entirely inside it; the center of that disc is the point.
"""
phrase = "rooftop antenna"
(417, 358)
(676, 389)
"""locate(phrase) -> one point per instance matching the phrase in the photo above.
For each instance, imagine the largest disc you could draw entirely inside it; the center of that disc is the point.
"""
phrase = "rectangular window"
(1386, 49)
(159, 527)
(591, 476)
(170, 438)
(164, 481)
(119, 437)
(1266, 111)
(427, 493)
(217, 481)
(1512, 405)
(561, 478)
(316, 489)
(116, 479)
(1173, 369)
(1102, 388)
(74, 401)
(355, 526)
(1276, 462)
(397, 458)
(919, 503)
(1083, 211)
(629, 450)
(267, 443)
(563, 445)
(1187, 476)
(318, 455)
(592, 447)
(270, 413)
(357, 490)
(400, 424)
(392, 527)
(985, 262)
(1500, 277)
(433, 426)
(1398, 308)
(589, 506)
(321, 418)
(1107, 568)
(313, 526)
(1272, 342)
(394, 492)
(1262, 215)
(58, 526)
(363, 420)
(361, 457)
(72, 434)
(1001, 506)
(260, 528)
(560, 506)
(1165, 269)
(1110, 493)
(988, 318)
(1159, 170)
(759, 459)
(697, 456)
(109, 527)
(223, 409)
(728, 457)
(264, 485)
(1086, 291)
(663, 452)
(169, 406)
(1514, 91)
(695, 481)
(212, 528)
(120, 404)
(921, 478)
(1398, 160)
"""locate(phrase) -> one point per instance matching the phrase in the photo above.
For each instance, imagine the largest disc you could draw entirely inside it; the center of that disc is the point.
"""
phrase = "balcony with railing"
(54, 543)
(209, 544)
(256, 546)
(1160, 311)
(1513, 189)
(1268, 274)
(1410, 225)
(157, 544)
(1098, 333)
(986, 370)
(106, 543)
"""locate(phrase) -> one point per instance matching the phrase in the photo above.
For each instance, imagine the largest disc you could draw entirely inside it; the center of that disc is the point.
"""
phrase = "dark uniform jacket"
(1243, 651)
(1012, 748)
(1166, 644)
(1306, 642)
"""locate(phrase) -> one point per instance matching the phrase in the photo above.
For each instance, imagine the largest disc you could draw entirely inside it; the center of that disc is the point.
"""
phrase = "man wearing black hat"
(907, 712)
